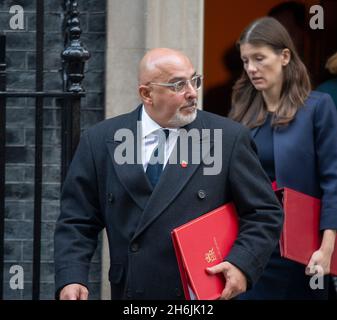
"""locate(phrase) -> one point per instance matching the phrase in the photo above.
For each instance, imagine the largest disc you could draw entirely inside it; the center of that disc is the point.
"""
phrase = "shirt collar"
(149, 125)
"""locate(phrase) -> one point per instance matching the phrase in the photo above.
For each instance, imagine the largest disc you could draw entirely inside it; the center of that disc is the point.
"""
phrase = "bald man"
(115, 183)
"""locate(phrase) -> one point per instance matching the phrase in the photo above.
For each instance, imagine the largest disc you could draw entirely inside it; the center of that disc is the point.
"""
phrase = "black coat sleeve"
(260, 214)
(80, 221)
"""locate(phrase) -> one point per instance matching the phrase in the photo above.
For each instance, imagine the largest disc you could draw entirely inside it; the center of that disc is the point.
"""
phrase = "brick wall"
(20, 133)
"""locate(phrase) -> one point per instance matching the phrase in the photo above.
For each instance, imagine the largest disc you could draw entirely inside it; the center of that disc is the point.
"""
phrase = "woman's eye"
(259, 58)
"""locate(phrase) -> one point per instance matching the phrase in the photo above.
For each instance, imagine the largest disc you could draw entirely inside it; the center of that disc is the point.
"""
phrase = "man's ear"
(145, 94)
(286, 56)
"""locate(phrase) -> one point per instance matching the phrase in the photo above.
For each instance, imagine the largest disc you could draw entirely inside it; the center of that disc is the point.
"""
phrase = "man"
(140, 211)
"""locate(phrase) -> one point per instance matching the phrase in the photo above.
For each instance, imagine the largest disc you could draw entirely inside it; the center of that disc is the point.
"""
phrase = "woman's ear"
(145, 93)
(286, 56)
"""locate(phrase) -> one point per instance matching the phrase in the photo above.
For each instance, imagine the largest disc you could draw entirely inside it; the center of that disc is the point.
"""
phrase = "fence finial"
(74, 55)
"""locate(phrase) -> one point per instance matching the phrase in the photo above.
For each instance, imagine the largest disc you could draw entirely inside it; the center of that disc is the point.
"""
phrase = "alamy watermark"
(16, 21)
(17, 280)
(317, 20)
(317, 278)
(194, 147)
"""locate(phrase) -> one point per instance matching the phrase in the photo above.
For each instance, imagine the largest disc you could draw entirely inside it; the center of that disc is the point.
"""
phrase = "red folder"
(300, 236)
(202, 243)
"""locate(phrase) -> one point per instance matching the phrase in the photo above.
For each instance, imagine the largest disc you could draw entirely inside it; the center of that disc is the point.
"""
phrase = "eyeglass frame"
(174, 84)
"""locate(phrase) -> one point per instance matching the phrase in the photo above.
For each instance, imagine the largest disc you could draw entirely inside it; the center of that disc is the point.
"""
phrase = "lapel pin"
(183, 164)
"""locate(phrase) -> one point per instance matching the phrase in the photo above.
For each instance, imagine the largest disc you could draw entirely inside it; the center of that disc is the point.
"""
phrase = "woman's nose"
(251, 67)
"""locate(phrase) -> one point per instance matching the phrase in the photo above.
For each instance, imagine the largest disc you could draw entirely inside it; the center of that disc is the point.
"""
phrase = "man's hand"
(236, 281)
(74, 291)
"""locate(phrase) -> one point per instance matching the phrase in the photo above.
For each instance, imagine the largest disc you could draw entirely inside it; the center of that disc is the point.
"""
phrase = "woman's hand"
(320, 260)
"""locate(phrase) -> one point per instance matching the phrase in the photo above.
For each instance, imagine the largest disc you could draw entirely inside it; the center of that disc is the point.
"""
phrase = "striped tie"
(155, 165)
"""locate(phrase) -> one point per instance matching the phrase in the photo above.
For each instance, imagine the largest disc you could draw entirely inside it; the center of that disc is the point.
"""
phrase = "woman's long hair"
(248, 106)
(331, 64)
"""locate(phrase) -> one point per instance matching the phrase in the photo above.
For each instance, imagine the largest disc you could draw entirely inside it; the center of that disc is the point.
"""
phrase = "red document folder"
(202, 243)
(301, 236)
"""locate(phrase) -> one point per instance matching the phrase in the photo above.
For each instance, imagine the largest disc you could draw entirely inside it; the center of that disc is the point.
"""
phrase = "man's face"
(166, 106)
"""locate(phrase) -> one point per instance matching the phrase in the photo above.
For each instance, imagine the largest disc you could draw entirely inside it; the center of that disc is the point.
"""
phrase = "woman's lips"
(257, 79)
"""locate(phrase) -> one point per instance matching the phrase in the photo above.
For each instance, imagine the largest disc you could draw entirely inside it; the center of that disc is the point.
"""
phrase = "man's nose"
(191, 91)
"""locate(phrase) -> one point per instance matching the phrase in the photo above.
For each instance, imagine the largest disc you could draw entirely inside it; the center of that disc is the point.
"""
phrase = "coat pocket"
(116, 273)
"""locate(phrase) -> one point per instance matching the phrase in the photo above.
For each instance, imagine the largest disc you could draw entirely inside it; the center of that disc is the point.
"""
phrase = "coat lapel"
(173, 179)
(254, 131)
(132, 175)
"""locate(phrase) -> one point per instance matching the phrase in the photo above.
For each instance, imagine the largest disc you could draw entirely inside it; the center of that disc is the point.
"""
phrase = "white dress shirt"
(150, 139)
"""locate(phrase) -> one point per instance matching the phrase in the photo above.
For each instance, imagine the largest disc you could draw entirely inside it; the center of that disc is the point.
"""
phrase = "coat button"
(111, 198)
(201, 194)
(135, 247)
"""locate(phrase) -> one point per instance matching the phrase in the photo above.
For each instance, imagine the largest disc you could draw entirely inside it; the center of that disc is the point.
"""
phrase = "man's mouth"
(192, 104)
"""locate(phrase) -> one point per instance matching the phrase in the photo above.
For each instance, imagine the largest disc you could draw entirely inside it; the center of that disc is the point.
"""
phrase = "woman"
(295, 130)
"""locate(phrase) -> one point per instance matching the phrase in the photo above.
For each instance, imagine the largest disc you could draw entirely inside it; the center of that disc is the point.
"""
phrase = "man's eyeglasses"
(182, 85)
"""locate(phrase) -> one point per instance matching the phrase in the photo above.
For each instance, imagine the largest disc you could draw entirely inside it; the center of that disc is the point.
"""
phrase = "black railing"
(2, 156)
(73, 60)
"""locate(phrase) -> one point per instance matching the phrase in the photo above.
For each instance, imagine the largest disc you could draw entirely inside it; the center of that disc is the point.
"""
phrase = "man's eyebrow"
(175, 79)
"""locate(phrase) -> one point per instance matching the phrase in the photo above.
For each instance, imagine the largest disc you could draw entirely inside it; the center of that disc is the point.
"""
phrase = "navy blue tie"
(155, 165)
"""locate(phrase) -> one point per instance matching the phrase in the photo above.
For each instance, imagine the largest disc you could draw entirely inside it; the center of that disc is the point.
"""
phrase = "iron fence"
(73, 61)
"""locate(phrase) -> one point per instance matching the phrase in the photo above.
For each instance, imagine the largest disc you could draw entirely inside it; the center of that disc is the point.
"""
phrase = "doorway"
(224, 21)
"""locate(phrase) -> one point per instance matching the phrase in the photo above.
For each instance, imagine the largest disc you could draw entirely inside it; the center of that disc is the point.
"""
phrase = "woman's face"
(264, 67)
